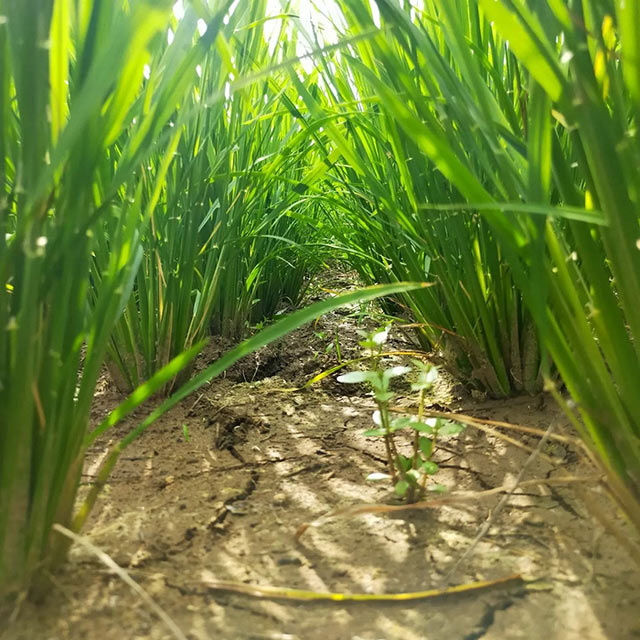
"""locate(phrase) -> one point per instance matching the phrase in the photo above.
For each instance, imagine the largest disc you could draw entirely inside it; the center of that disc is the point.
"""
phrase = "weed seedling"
(408, 473)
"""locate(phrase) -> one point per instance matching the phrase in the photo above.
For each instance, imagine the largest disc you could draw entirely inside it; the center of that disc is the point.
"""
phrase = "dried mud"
(260, 460)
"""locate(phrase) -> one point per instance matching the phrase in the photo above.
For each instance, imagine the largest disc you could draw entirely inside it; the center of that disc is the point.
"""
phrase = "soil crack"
(249, 487)
(489, 616)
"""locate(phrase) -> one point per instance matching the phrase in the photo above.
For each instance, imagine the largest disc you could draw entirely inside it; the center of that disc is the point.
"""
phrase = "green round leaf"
(426, 446)
(403, 462)
(395, 372)
(438, 488)
(421, 426)
(429, 467)
(449, 428)
(401, 487)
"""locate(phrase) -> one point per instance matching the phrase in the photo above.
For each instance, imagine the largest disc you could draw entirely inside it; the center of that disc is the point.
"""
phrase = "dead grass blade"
(454, 498)
(125, 577)
(284, 593)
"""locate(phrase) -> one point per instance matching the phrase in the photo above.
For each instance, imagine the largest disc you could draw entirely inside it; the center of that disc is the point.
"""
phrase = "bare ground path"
(260, 461)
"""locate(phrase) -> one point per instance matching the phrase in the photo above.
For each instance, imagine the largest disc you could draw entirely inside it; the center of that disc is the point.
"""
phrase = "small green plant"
(408, 473)
(331, 344)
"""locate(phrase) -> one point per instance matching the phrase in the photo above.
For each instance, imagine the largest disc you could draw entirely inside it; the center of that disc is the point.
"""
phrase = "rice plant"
(530, 112)
(226, 243)
(65, 105)
(87, 154)
(475, 319)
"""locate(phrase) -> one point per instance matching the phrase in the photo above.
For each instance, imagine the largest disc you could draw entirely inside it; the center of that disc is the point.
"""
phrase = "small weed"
(331, 344)
(409, 474)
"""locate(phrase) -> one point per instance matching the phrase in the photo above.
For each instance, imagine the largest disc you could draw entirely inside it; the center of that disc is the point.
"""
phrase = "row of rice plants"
(475, 319)
(225, 245)
(529, 111)
(87, 153)
(65, 106)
